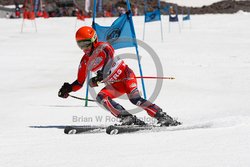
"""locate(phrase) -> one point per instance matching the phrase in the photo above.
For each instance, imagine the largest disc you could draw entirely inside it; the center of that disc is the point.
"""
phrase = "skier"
(119, 79)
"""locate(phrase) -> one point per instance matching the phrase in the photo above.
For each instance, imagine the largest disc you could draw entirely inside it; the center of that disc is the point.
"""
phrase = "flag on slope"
(153, 16)
(119, 34)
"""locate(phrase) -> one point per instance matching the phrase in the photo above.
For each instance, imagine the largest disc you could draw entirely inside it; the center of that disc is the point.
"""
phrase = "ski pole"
(79, 98)
(149, 77)
(146, 77)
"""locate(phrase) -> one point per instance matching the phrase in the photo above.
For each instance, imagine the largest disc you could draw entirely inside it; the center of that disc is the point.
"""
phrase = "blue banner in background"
(173, 11)
(187, 17)
(166, 8)
(36, 5)
(173, 18)
(99, 6)
(153, 16)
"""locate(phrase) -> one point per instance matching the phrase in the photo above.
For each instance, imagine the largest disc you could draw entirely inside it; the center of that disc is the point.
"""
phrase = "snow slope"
(210, 95)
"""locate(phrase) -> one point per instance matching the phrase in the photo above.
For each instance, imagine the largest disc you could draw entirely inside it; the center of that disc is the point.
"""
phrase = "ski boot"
(166, 120)
(132, 120)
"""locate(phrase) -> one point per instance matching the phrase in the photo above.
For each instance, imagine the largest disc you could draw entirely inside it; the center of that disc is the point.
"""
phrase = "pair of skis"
(112, 129)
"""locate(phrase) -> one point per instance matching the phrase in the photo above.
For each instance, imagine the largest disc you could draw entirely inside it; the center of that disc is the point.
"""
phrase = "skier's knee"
(100, 97)
(138, 101)
(135, 98)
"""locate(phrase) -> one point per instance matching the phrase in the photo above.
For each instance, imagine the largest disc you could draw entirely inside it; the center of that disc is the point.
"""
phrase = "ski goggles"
(87, 43)
(84, 44)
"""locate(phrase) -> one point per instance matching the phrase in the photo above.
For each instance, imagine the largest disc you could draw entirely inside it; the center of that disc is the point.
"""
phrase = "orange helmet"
(85, 37)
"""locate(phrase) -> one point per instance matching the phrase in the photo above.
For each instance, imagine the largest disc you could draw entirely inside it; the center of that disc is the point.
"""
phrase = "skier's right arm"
(81, 76)
(77, 84)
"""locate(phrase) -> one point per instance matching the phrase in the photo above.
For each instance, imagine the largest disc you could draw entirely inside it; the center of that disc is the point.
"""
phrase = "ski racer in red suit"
(119, 79)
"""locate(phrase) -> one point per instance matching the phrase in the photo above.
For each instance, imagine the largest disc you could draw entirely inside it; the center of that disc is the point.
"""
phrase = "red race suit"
(119, 79)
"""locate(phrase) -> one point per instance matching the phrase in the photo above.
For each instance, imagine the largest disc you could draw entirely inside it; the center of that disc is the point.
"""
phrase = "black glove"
(93, 82)
(65, 90)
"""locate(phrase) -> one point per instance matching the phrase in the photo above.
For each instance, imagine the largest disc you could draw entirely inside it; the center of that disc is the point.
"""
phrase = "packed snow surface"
(209, 58)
